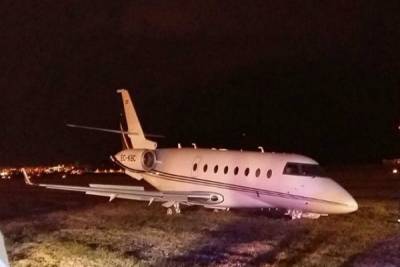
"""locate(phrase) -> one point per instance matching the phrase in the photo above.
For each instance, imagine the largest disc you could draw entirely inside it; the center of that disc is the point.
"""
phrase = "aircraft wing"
(138, 193)
(120, 191)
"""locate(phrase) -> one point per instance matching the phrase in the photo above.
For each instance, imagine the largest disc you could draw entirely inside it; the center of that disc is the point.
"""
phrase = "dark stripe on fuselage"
(211, 183)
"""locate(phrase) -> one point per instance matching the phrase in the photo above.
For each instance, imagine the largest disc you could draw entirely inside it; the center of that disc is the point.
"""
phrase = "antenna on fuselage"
(261, 149)
(194, 145)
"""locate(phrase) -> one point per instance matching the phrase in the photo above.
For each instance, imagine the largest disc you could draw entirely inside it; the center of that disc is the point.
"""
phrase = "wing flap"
(106, 190)
(118, 187)
(138, 193)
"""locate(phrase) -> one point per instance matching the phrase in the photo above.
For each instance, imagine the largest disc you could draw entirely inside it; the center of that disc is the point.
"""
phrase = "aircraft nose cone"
(345, 203)
(351, 203)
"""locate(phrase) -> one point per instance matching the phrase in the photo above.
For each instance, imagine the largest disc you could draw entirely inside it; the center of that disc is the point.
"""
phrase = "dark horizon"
(319, 80)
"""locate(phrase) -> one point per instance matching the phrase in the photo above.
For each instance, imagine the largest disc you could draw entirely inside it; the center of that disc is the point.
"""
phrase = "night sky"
(320, 78)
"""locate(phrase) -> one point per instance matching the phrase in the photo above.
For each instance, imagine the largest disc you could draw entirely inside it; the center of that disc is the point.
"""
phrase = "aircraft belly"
(314, 206)
(246, 199)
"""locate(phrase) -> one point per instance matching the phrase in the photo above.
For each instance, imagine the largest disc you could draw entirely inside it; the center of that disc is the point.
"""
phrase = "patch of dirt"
(384, 253)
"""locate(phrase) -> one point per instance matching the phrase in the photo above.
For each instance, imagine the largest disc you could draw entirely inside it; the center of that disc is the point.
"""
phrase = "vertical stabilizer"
(136, 135)
(125, 142)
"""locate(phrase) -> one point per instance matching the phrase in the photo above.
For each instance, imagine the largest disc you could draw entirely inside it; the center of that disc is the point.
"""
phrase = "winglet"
(27, 178)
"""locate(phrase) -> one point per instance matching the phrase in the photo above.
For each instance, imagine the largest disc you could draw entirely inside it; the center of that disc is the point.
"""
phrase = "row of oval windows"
(235, 171)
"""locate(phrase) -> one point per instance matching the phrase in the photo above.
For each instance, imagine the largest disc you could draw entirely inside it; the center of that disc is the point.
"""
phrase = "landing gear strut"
(177, 208)
(169, 211)
(173, 207)
(294, 214)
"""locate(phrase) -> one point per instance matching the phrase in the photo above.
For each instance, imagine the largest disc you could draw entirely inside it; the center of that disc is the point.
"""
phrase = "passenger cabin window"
(195, 167)
(303, 169)
(226, 169)
(236, 170)
(246, 171)
(258, 171)
(205, 168)
(269, 173)
(216, 169)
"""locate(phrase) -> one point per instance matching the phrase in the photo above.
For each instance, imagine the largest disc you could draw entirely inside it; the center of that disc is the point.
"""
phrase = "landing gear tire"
(177, 208)
(174, 208)
(169, 211)
(294, 214)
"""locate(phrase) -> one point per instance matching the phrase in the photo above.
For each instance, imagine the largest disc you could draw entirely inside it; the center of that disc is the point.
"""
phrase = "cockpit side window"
(292, 169)
(312, 170)
(303, 169)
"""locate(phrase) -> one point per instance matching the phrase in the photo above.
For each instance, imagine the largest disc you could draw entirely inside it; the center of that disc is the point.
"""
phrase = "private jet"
(219, 179)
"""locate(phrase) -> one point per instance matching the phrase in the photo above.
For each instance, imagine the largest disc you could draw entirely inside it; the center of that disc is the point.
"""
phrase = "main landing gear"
(173, 207)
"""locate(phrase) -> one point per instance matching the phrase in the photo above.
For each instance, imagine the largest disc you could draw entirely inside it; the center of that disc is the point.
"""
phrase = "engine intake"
(137, 159)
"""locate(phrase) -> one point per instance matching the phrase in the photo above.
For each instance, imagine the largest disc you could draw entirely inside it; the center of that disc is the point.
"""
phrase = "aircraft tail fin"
(125, 142)
(138, 139)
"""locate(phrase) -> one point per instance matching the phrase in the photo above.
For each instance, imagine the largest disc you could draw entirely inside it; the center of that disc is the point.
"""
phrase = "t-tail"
(135, 132)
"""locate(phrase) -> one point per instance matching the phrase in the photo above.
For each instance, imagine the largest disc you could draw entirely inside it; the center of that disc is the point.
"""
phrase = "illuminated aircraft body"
(219, 178)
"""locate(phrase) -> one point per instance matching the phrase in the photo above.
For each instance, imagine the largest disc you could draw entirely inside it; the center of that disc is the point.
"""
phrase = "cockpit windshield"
(304, 169)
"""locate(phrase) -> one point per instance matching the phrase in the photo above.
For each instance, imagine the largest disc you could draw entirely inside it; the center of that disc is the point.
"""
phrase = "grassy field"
(54, 228)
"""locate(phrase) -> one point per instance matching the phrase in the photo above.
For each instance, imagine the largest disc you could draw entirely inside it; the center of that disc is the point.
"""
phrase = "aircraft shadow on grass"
(250, 242)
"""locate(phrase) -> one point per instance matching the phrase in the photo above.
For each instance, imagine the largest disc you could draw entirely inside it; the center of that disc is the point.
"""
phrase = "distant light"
(395, 171)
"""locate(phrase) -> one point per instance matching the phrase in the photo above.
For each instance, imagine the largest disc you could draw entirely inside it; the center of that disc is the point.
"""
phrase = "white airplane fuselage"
(243, 179)
(218, 179)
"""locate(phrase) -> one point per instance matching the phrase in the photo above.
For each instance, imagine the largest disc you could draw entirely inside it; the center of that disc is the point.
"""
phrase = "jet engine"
(136, 159)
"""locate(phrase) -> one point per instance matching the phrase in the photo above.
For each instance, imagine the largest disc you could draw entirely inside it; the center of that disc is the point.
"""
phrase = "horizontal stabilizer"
(111, 130)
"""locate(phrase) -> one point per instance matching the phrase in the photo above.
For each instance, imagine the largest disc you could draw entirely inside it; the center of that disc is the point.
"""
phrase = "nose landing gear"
(294, 214)
(298, 214)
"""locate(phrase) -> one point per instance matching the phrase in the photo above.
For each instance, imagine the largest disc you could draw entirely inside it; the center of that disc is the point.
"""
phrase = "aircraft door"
(196, 166)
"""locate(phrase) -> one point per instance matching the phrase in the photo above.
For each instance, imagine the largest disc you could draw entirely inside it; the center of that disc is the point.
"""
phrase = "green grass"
(128, 233)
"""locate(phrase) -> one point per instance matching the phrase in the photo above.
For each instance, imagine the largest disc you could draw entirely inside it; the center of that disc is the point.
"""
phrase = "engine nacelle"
(136, 159)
